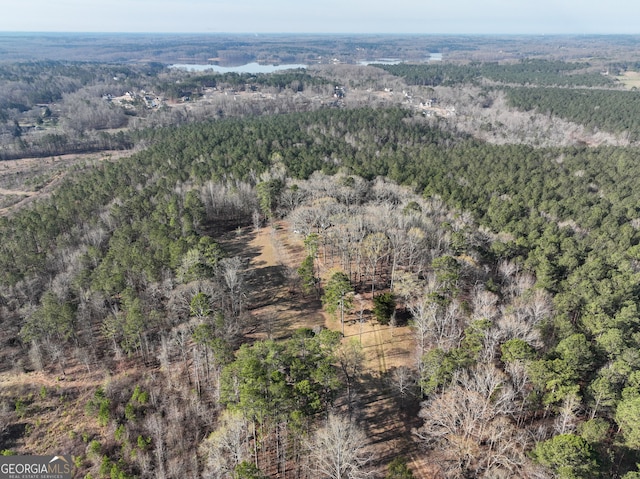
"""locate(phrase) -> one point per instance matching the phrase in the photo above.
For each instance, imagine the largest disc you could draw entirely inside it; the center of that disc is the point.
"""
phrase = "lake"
(381, 61)
(248, 68)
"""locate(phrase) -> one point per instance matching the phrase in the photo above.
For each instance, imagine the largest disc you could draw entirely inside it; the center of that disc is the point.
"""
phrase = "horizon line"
(470, 34)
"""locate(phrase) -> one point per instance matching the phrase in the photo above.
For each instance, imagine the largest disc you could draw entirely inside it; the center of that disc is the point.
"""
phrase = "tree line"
(608, 110)
(524, 72)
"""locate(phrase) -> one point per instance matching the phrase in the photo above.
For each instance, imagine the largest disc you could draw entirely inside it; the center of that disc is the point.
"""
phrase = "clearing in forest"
(279, 308)
(27, 179)
(630, 79)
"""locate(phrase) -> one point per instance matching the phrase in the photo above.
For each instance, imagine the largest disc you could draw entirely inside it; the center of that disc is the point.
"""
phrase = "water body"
(381, 61)
(248, 68)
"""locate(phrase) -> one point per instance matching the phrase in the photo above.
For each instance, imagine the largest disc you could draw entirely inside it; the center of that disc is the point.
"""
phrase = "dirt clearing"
(630, 79)
(279, 308)
(27, 179)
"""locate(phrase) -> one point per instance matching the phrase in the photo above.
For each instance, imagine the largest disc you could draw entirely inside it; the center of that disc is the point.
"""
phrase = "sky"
(326, 16)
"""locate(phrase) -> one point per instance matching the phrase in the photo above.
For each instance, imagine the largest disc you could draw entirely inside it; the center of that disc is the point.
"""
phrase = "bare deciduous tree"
(156, 426)
(567, 418)
(470, 423)
(404, 382)
(484, 304)
(338, 450)
(375, 249)
(234, 279)
(520, 317)
(36, 356)
(350, 357)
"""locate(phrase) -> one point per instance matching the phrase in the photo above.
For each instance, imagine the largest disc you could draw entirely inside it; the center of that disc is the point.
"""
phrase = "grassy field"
(630, 79)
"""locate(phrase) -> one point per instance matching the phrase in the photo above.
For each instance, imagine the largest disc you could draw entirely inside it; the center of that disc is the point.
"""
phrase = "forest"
(433, 304)
(526, 72)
